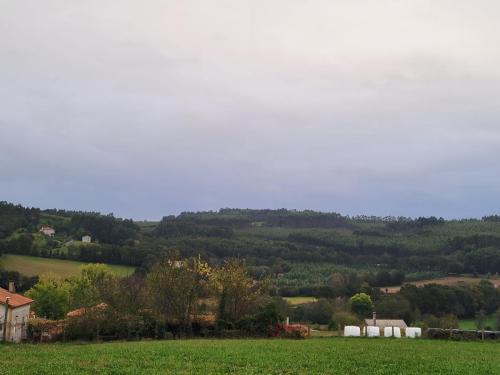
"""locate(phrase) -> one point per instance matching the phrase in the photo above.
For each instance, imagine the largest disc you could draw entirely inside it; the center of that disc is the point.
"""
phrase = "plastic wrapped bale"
(352, 331)
(392, 332)
(372, 331)
(388, 331)
(397, 332)
(413, 332)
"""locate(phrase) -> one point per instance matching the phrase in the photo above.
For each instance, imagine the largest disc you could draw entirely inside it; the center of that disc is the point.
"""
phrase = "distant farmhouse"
(86, 239)
(48, 231)
(14, 314)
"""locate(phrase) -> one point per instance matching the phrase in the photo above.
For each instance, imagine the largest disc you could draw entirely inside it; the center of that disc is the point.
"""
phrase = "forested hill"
(271, 241)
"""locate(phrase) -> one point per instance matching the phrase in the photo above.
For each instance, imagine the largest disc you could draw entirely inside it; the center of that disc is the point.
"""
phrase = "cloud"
(383, 107)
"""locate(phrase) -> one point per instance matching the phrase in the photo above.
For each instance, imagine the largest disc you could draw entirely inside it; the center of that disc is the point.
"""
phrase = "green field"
(31, 266)
(312, 356)
(300, 300)
(471, 323)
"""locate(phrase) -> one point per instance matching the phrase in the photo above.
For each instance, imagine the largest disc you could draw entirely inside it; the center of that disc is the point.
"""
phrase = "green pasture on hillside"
(312, 356)
(300, 300)
(31, 266)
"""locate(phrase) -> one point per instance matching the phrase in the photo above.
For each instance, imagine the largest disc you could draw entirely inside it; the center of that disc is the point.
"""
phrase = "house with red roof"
(14, 314)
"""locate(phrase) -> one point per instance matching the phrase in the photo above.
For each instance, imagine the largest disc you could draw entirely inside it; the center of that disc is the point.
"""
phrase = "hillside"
(300, 250)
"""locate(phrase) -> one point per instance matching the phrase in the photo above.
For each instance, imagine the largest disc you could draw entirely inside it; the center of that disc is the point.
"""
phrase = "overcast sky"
(148, 108)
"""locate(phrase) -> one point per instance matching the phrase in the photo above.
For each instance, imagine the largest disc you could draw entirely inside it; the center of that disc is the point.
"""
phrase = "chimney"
(12, 287)
(374, 318)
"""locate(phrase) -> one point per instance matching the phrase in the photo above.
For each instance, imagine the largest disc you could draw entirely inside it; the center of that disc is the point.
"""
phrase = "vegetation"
(31, 266)
(325, 256)
(361, 305)
(315, 356)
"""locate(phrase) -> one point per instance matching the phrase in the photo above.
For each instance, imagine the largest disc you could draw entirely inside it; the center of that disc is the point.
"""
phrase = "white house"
(14, 314)
(48, 231)
(86, 239)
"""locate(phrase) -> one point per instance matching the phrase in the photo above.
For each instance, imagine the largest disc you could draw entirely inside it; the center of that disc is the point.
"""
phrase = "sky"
(150, 108)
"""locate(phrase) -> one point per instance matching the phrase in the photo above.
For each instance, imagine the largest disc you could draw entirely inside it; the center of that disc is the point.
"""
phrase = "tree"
(238, 291)
(497, 318)
(51, 296)
(361, 305)
(480, 319)
(394, 306)
(318, 312)
(341, 319)
(86, 289)
(175, 287)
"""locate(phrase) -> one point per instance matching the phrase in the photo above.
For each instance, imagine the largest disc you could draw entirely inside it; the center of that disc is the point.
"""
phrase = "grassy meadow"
(31, 266)
(300, 300)
(471, 323)
(311, 356)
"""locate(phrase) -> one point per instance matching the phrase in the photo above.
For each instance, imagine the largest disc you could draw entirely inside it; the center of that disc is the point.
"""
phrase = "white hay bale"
(392, 332)
(352, 331)
(372, 331)
(397, 332)
(413, 332)
(388, 331)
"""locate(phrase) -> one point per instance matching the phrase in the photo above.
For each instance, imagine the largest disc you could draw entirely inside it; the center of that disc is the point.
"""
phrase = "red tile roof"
(16, 300)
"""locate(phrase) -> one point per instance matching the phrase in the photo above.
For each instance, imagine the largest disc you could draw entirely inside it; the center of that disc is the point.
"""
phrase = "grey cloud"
(150, 109)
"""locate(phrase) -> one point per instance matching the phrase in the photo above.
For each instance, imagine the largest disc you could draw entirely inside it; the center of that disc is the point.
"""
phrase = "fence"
(460, 334)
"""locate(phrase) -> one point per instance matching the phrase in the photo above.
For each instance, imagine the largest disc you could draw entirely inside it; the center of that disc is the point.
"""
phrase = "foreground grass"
(32, 266)
(312, 356)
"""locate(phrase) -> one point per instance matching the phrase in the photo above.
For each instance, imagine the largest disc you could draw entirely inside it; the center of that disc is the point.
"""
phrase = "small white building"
(86, 239)
(48, 231)
(14, 314)
(382, 324)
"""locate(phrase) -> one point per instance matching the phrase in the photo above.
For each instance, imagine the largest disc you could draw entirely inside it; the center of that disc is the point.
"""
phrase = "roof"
(382, 323)
(16, 300)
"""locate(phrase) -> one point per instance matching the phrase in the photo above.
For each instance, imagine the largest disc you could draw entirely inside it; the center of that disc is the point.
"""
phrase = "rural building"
(14, 314)
(86, 239)
(383, 323)
(48, 231)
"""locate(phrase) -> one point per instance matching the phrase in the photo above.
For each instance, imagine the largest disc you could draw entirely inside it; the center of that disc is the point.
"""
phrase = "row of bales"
(374, 331)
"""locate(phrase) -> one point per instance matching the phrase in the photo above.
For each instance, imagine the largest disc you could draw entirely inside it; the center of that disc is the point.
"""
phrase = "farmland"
(31, 266)
(312, 356)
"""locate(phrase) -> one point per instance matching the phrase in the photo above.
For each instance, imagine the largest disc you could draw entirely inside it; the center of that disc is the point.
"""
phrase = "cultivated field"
(452, 280)
(31, 266)
(312, 356)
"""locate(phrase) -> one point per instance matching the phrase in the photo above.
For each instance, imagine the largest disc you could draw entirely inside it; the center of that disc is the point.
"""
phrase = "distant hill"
(296, 248)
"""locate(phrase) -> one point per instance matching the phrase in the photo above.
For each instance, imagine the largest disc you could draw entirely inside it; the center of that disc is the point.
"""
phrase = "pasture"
(312, 356)
(300, 300)
(32, 266)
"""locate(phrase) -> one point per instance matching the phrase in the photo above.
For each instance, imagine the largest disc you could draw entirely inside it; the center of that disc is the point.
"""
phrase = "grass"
(312, 356)
(300, 300)
(471, 323)
(31, 266)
